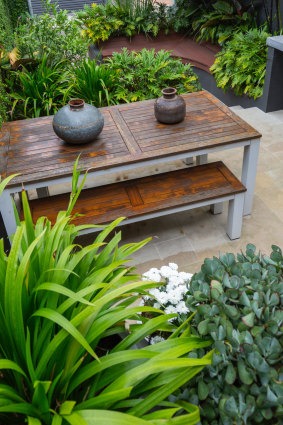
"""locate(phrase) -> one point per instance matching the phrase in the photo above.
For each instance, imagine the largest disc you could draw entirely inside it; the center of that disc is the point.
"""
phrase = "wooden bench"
(153, 196)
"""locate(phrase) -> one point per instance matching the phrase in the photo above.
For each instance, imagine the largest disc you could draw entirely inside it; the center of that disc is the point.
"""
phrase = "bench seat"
(153, 196)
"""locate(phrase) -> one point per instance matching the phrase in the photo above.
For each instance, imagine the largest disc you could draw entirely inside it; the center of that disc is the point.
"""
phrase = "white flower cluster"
(170, 297)
(156, 339)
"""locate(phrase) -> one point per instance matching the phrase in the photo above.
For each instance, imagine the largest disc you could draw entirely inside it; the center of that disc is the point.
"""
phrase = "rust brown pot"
(170, 108)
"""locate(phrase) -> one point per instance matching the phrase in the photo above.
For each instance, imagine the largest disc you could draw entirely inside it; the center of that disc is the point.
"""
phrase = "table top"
(130, 134)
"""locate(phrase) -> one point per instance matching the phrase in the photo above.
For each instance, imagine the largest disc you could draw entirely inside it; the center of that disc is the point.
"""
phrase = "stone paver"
(188, 238)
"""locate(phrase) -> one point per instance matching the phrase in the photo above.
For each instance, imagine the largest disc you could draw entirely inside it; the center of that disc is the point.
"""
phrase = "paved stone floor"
(188, 238)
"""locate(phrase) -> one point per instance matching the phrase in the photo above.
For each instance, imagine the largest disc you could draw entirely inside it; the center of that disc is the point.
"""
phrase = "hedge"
(6, 28)
(4, 102)
(6, 41)
(16, 9)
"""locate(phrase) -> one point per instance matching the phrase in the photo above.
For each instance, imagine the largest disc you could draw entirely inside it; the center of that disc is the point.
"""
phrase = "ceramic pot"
(170, 108)
(78, 122)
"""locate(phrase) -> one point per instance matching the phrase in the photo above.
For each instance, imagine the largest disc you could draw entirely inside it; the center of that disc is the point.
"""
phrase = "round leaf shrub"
(238, 304)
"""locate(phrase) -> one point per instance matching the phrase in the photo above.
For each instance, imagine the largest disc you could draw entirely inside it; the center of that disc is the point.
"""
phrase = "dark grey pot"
(78, 122)
(170, 108)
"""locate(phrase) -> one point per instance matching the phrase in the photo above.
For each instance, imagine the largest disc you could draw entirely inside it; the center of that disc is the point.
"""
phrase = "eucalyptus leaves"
(238, 303)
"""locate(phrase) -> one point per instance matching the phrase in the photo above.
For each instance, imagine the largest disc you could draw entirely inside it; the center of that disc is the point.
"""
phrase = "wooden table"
(131, 138)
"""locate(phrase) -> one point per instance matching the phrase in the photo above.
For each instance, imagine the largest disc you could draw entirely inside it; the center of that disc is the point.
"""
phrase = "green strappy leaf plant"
(94, 83)
(63, 308)
(40, 91)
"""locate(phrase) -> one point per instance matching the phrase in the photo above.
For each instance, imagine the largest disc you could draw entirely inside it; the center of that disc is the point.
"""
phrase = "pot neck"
(169, 93)
(76, 104)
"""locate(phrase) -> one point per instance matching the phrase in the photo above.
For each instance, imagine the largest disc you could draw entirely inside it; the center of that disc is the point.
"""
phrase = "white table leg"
(202, 159)
(189, 161)
(235, 216)
(216, 208)
(42, 192)
(7, 212)
(249, 173)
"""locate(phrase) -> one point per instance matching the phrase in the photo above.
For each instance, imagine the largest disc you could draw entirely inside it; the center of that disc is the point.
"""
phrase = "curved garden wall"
(200, 55)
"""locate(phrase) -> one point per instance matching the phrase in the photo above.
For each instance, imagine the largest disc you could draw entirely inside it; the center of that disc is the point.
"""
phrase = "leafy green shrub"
(142, 16)
(241, 65)
(17, 8)
(144, 74)
(62, 308)
(54, 33)
(213, 20)
(127, 77)
(6, 45)
(238, 303)
(41, 91)
(98, 22)
(183, 14)
(221, 23)
(4, 102)
(6, 28)
(123, 17)
(96, 84)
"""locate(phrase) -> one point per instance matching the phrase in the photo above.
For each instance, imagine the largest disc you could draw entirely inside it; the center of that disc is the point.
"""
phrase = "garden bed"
(201, 54)
(228, 97)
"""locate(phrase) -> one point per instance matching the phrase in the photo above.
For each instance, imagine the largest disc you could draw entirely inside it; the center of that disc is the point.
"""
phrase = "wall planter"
(201, 55)
(208, 82)
(272, 98)
(273, 85)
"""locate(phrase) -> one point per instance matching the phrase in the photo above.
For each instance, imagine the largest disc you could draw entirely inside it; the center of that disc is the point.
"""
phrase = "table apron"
(127, 167)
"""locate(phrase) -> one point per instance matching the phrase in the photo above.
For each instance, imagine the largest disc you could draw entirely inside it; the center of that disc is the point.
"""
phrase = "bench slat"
(145, 195)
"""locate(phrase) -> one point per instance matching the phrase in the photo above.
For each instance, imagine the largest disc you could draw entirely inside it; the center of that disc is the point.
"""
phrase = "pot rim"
(169, 91)
(76, 104)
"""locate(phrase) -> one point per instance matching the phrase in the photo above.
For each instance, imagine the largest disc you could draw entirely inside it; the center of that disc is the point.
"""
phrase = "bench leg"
(216, 208)
(202, 159)
(235, 216)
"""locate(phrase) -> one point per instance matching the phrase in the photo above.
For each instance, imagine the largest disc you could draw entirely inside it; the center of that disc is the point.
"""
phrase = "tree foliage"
(241, 65)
